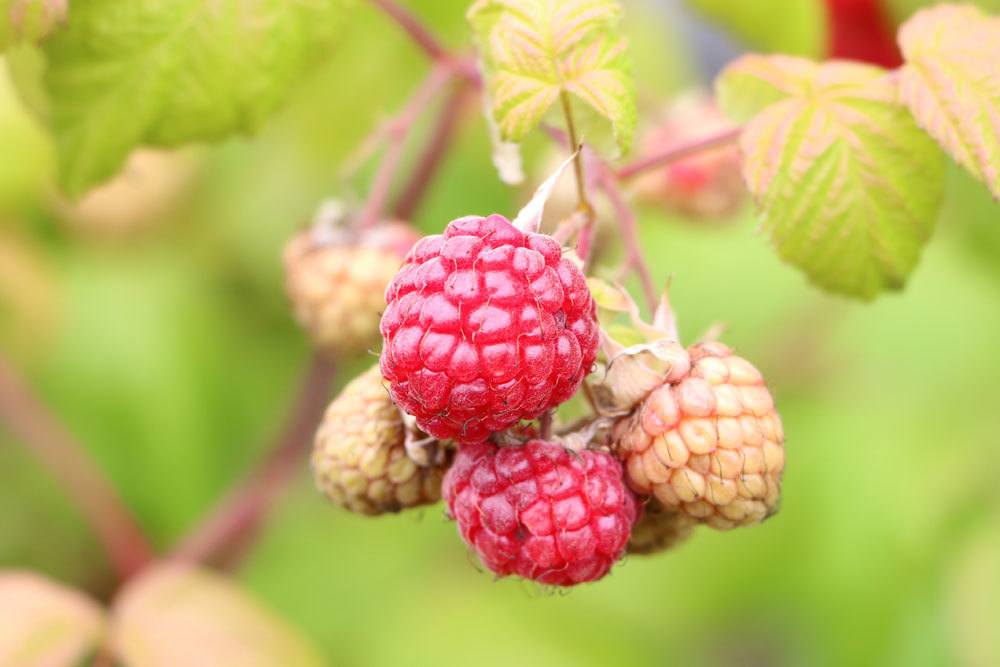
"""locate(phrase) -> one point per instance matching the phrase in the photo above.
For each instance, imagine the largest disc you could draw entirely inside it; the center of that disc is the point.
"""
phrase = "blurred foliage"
(797, 28)
(172, 355)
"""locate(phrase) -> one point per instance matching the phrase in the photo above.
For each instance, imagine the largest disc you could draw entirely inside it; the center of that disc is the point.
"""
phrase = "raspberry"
(709, 445)
(708, 185)
(862, 30)
(659, 529)
(486, 325)
(359, 458)
(336, 281)
(540, 511)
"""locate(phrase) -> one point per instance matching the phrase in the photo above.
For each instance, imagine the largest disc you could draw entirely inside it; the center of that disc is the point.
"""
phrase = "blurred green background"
(163, 339)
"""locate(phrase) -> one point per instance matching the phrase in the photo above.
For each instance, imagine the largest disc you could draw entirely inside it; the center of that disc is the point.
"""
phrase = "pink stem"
(414, 28)
(30, 421)
(226, 533)
(630, 234)
(675, 153)
(433, 155)
(396, 133)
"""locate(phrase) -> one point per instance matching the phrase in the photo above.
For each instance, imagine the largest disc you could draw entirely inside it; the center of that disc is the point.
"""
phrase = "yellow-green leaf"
(45, 624)
(147, 72)
(951, 83)
(29, 20)
(181, 615)
(536, 50)
(848, 186)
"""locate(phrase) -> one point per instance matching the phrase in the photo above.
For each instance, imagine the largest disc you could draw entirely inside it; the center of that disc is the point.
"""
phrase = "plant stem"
(414, 28)
(396, 131)
(675, 153)
(434, 152)
(545, 425)
(225, 534)
(630, 234)
(585, 238)
(31, 422)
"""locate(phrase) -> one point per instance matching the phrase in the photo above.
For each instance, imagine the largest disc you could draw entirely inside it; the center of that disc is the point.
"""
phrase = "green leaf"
(797, 27)
(45, 624)
(754, 82)
(180, 615)
(23, 181)
(951, 84)
(536, 50)
(165, 73)
(848, 185)
(29, 20)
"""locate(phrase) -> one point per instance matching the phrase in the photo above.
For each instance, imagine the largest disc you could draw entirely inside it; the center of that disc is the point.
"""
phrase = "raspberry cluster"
(487, 327)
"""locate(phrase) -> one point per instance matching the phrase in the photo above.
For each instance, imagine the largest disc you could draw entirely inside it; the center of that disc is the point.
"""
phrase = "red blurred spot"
(861, 30)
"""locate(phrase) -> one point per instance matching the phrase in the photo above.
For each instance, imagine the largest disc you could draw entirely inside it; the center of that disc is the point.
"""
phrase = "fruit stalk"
(630, 235)
(28, 420)
(584, 207)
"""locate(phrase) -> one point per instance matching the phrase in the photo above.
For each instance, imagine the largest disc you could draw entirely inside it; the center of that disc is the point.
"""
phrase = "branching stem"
(430, 160)
(675, 153)
(396, 132)
(28, 420)
(414, 28)
(224, 535)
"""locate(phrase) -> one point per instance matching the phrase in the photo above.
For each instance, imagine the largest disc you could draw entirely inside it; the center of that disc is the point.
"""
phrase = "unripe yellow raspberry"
(659, 529)
(336, 282)
(709, 445)
(359, 456)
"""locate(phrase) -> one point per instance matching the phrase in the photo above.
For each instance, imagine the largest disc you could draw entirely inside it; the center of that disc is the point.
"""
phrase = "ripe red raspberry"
(540, 511)
(486, 325)
(710, 445)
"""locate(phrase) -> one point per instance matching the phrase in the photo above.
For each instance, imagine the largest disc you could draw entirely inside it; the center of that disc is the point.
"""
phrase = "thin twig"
(585, 239)
(675, 153)
(31, 422)
(396, 133)
(434, 152)
(545, 425)
(630, 233)
(223, 537)
(414, 28)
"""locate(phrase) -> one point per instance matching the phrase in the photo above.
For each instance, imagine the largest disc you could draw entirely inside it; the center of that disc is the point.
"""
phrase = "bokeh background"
(151, 317)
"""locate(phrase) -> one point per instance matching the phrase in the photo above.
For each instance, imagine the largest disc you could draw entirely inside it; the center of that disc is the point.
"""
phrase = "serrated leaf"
(180, 615)
(951, 84)
(534, 51)
(751, 83)
(29, 20)
(124, 74)
(45, 624)
(848, 185)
